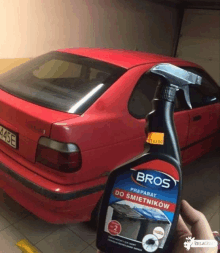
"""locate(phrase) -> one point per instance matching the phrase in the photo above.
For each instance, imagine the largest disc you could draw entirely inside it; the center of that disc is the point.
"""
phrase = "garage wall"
(30, 28)
(200, 40)
(7, 64)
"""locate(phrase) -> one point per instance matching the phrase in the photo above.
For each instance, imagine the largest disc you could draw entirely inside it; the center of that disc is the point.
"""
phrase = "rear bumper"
(47, 200)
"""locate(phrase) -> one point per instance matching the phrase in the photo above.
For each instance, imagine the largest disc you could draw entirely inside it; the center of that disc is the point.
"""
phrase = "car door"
(139, 105)
(204, 116)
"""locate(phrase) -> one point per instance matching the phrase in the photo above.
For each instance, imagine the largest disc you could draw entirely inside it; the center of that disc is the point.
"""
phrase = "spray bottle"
(141, 202)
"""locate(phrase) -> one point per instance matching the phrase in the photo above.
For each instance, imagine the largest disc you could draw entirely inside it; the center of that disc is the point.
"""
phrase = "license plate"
(9, 137)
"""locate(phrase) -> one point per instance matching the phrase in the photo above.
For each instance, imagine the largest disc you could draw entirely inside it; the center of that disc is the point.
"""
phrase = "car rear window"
(61, 81)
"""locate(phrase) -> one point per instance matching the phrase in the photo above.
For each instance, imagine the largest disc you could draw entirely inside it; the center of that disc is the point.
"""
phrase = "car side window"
(207, 93)
(139, 104)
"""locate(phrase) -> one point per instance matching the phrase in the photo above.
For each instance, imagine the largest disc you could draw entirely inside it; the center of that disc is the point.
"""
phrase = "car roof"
(123, 58)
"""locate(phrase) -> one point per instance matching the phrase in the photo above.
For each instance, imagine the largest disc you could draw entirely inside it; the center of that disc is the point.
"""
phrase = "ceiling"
(197, 4)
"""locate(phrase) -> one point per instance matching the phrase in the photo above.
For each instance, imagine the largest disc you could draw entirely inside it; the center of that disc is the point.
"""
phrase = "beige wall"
(33, 27)
(7, 64)
(200, 40)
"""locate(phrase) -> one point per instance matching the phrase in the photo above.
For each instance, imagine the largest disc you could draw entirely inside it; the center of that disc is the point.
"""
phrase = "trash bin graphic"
(129, 219)
(138, 221)
(156, 223)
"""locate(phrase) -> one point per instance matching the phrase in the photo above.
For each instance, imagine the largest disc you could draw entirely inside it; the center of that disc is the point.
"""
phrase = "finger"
(200, 226)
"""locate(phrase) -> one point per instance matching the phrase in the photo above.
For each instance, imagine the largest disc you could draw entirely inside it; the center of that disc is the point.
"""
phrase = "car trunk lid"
(27, 122)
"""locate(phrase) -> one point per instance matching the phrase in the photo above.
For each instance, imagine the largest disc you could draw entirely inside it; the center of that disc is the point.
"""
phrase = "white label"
(159, 232)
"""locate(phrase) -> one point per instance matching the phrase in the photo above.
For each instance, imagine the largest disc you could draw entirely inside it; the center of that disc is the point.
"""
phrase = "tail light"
(64, 157)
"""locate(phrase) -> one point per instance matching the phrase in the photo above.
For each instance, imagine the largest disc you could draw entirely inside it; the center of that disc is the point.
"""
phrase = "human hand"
(200, 229)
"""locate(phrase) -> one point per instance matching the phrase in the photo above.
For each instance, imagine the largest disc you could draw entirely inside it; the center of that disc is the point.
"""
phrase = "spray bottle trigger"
(185, 90)
(178, 78)
(186, 95)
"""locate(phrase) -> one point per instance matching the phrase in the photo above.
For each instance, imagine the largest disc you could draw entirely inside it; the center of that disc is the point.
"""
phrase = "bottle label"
(142, 206)
(155, 138)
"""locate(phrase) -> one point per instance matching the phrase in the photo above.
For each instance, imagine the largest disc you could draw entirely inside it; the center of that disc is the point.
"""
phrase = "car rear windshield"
(61, 81)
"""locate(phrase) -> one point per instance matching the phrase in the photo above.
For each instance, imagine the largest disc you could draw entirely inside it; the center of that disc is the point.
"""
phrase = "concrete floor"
(201, 189)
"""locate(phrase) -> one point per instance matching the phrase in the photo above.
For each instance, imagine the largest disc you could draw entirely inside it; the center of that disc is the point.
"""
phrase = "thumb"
(200, 226)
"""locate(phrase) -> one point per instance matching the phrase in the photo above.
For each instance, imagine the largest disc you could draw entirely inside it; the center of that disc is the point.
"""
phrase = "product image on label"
(150, 243)
(141, 210)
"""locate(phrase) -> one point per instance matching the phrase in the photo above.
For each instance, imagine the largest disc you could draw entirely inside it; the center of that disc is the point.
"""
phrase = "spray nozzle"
(177, 78)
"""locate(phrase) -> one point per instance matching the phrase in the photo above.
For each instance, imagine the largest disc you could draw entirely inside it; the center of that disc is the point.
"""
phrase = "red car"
(69, 117)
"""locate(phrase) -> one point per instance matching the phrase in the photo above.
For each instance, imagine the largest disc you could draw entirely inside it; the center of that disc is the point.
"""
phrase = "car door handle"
(196, 118)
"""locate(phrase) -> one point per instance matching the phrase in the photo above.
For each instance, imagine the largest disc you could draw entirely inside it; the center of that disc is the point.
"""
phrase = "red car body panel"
(195, 131)
(106, 134)
(54, 211)
(202, 139)
(29, 120)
